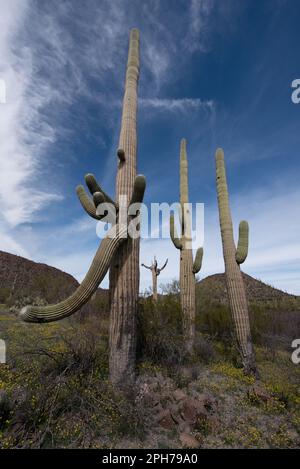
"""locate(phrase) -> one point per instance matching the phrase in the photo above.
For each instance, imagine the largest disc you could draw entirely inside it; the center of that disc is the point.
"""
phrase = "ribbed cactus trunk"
(233, 257)
(187, 277)
(188, 267)
(154, 286)
(124, 272)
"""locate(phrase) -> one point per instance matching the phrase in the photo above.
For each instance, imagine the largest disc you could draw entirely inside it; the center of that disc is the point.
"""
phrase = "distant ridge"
(23, 277)
(213, 288)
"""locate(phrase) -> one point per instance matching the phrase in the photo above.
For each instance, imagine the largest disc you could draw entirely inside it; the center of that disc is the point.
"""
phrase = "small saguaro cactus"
(155, 271)
(233, 257)
(188, 267)
(117, 252)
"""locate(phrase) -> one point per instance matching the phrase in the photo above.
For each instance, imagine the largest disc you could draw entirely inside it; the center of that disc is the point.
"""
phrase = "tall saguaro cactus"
(188, 267)
(155, 271)
(124, 272)
(233, 257)
(117, 251)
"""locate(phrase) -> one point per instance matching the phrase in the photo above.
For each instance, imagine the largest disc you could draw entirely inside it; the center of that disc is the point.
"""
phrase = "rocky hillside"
(21, 277)
(213, 289)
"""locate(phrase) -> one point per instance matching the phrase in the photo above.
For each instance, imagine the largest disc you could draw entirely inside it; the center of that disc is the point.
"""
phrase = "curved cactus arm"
(146, 266)
(243, 243)
(93, 186)
(173, 233)
(100, 265)
(162, 268)
(89, 285)
(86, 202)
(138, 189)
(198, 261)
(98, 198)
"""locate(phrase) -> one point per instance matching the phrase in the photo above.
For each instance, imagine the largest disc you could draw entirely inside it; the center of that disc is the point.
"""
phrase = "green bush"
(160, 331)
(4, 294)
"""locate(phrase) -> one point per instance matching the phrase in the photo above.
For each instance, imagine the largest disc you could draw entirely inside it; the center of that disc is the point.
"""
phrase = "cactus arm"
(97, 271)
(98, 198)
(89, 285)
(198, 261)
(147, 267)
(243, 243)
(86, 202)
(173, 233)
(162, 268)
(93, 186)
(138, 189)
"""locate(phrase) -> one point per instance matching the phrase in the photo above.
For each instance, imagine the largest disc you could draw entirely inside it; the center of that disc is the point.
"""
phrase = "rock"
(178, 395)
(165, 419)
(192, 410)
(187, 373)
(184, 427)
(257, 393)
(189, 441)
(208, 402)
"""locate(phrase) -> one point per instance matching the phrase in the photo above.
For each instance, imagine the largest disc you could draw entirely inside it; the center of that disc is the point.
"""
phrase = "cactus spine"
(124, 272)
(233, 257)
(188, 267)
(155, 271)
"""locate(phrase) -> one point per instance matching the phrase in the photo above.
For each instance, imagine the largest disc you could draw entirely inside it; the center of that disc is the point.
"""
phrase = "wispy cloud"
(199, 18)
(23, 135)
(178, 105)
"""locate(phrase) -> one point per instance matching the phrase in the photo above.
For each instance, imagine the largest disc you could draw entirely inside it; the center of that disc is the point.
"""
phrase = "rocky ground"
(54, 392)
(221, 408)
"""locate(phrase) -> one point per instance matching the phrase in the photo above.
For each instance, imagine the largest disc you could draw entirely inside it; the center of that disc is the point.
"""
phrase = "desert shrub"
(4, 294)
(160, 331)
(215, 320)
(17, 303)
(274, 329)
(61, 394)
(203, 349)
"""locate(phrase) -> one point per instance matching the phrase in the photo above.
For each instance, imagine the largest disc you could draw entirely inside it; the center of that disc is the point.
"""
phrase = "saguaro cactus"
(233, 257)
(118, 252)
(155, 271)
(188, 267)
(124, 272)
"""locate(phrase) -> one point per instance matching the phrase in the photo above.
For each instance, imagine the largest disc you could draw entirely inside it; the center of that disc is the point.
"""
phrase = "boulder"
(178, 395)
(165, 420)
(189, 441)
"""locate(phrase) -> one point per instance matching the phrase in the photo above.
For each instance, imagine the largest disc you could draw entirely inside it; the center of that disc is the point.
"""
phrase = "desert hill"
(213, 289)
(20, 277)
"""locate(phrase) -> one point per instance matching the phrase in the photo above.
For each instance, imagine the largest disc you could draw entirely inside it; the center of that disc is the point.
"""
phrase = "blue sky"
(218, 73)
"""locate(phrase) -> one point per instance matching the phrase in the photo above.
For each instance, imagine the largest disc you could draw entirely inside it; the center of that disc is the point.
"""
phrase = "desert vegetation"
(55, 389)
